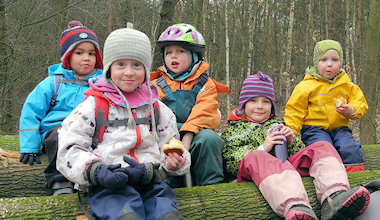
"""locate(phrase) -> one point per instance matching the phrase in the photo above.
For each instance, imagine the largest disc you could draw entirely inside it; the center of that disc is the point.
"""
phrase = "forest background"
(242, 37)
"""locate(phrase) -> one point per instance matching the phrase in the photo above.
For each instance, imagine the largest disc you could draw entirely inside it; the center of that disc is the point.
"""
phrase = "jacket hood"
(57, 69)
(312, 71)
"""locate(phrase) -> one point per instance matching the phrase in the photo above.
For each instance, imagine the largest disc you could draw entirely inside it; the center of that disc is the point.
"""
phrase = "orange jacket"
(205, 113)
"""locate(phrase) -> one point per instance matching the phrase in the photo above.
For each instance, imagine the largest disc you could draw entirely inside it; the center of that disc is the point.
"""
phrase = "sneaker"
(345, 204)
(300, 212)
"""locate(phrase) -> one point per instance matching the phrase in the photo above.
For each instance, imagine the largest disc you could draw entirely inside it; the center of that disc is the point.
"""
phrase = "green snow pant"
(206, 161)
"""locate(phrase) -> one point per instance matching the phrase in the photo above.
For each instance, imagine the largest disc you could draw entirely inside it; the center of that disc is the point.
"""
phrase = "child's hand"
(288, 133)
(272, 139)
(174, 161)
(346, 109)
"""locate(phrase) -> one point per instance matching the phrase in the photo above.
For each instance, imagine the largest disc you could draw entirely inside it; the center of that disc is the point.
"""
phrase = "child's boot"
(345, 204)
(301, 212)
(60, 188)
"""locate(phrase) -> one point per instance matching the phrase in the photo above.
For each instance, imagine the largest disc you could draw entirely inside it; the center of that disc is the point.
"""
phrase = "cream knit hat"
(127, 43)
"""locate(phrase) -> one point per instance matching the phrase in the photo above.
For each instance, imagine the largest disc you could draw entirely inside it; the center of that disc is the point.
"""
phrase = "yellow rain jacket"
(311, 103)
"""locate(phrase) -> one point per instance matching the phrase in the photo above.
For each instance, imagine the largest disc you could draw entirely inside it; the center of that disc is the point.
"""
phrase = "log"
(22, 180)
(23, 195)
(224, 201)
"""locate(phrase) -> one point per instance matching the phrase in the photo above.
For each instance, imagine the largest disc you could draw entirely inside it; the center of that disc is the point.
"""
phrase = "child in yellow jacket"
(322, 104)
(186, 88)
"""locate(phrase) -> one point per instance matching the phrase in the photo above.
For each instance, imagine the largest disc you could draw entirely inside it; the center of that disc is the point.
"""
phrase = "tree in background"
(276, 37)
(371, 75)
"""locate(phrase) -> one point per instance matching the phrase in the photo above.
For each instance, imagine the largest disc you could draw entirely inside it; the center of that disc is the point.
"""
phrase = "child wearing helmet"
(52, 100)
(124, 173)
(186, 88)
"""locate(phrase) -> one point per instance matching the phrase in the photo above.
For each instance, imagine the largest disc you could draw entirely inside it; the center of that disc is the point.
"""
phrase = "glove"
(137, 172)
(147, 173)
(109, 176)
(30, 158)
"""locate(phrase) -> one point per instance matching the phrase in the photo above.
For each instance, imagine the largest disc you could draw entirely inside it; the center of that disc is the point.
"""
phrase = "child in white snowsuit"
(125, 171)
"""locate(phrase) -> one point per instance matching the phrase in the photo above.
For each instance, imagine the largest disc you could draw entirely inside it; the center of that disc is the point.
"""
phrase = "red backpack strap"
(156, 109)
(101, 116)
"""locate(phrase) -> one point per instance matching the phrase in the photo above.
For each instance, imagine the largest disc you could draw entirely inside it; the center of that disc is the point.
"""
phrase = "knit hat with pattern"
(127, 43)
(257, 85)
(322, 46)
(75, 34)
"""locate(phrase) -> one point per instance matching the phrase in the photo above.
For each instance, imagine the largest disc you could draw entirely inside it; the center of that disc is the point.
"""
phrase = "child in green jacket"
(249, 138)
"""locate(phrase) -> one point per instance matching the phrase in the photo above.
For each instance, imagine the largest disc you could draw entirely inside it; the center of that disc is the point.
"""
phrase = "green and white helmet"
(183, 35)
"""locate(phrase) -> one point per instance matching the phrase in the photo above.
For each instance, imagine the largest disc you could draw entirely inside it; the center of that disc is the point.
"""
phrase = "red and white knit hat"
(257, 85)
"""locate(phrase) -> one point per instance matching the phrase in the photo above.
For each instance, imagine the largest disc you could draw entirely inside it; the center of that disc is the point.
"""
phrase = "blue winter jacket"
(35, 118)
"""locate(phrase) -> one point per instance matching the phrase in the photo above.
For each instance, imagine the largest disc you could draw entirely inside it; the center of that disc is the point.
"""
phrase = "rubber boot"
(345, 204)
(301, 212)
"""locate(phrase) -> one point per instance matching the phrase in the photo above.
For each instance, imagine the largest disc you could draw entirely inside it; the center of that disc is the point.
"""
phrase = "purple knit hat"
(257, 85)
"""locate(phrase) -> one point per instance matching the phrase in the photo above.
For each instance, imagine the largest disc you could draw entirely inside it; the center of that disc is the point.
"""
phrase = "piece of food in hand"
(173, 146)
(340, 101)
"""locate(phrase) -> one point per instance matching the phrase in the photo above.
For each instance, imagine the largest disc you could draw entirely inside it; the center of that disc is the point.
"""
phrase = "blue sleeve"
(34, 110)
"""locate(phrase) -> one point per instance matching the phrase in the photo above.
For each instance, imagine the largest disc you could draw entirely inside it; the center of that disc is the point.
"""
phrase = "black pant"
(50, 146)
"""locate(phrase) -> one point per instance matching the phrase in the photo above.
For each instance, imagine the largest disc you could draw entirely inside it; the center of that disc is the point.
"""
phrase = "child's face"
(83, 59)
(177, 59)
(329, 64)
(127, 74)
(258, 108)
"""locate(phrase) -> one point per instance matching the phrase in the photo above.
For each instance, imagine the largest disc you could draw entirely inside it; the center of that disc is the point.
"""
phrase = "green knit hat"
(322, 46)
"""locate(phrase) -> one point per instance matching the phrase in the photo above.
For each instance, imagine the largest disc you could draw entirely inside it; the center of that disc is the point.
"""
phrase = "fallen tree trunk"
(231, 200)
(22, 180)
(224, 201)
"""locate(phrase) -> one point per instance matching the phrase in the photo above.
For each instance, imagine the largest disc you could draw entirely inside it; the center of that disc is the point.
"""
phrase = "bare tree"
(368, 124)
(167, 19)
(227, 53)
(289, 47)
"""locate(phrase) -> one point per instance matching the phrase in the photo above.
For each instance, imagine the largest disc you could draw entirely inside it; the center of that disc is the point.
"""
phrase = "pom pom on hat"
(72, 24)
(75, 34)
(257, 85)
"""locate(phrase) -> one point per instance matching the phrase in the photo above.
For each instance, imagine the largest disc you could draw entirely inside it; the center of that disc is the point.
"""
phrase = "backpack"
(101, 119)
(58, 80)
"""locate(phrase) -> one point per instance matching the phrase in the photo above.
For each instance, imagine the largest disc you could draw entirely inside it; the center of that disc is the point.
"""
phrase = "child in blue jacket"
(53, 99)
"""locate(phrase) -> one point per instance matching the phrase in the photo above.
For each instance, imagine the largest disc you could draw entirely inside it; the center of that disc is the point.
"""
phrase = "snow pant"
(50, 146)
(349, 150)
(281, 184)
(152, 202)
(206, 160)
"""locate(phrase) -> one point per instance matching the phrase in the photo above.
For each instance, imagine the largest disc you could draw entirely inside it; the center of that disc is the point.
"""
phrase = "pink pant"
(281, 183)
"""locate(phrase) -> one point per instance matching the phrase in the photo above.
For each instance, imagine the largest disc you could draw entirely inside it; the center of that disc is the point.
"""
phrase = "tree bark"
(167, 18)
(370, 76)
(227, 53)
(289, 49)
(30, 180)
(224, 201)
(3, 70)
